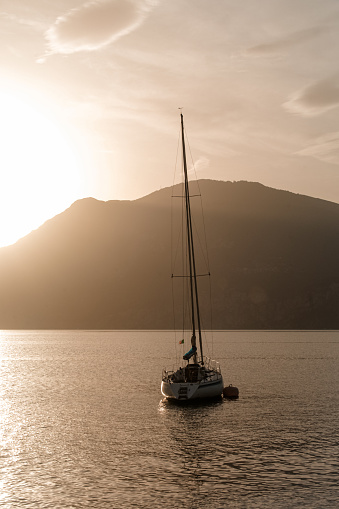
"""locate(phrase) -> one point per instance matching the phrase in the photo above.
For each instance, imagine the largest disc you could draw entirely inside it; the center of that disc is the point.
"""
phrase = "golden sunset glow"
(169, 246)
(256, 80)
(39, 170)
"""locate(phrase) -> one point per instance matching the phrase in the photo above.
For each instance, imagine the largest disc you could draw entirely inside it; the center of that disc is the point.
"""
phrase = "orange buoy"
(231, 392)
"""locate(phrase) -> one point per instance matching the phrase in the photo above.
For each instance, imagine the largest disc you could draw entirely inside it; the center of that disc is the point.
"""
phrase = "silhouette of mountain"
(107, 265)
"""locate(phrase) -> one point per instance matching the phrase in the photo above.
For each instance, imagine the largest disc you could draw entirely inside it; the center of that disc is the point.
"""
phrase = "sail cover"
(190, 353)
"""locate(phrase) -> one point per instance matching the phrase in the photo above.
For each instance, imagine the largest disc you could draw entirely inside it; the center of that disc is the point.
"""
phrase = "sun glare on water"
(39, 171)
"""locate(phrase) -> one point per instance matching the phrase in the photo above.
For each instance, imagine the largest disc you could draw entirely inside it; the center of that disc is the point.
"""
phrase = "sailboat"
(199, 377)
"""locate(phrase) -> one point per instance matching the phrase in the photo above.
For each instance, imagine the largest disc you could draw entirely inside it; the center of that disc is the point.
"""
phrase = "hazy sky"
(91, 92)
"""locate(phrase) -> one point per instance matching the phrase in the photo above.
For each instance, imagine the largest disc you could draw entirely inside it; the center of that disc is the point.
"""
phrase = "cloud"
(285, 43)
(96, 24)
(201, 164)
(325, 148)
(36, 25)
(315, 99)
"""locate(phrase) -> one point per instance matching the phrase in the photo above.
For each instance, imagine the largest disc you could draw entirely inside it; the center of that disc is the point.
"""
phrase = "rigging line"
(201, 205)
(189, 238)
(174, 324)
(176, 159)
(203, 248)
(204, 229)
(175, 251)
(193, 279)
(184, 292)
(180, 236)
(173, 258)
(186, 308)
(211, 316)
(175, 241)
(184, 263)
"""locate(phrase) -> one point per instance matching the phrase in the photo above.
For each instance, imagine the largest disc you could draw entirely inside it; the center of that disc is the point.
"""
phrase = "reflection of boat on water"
(190, 458)
(202, 377)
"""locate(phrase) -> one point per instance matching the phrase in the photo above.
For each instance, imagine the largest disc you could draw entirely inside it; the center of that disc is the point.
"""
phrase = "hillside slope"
(273, 259)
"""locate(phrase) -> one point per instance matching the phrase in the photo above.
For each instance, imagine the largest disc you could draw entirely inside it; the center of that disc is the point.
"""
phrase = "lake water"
(83, 424)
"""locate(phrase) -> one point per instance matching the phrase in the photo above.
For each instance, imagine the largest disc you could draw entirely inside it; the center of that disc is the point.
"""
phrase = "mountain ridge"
(107, 265)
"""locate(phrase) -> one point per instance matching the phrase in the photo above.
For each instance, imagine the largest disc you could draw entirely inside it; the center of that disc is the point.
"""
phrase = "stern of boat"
(192, 382)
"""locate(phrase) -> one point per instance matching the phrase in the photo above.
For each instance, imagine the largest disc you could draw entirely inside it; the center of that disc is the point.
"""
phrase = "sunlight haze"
(40, 173)
(90, 94)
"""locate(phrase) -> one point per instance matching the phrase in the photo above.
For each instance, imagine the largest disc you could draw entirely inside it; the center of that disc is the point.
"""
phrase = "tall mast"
(191, 258)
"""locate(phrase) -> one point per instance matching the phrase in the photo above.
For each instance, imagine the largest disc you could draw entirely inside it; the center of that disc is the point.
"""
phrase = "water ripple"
(80, 430)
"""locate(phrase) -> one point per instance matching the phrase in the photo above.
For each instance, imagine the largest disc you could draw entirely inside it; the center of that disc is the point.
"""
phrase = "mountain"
(274, 261)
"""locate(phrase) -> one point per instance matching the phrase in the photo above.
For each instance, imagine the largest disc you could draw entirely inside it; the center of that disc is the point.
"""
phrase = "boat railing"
(212, 364)
(166, 373)
(211, 369)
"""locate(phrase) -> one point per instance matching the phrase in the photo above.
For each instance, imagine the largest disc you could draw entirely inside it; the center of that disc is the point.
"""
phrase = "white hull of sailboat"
(183, 391)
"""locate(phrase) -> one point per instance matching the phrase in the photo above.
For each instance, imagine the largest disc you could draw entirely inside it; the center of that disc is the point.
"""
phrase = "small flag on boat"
(181, 342)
